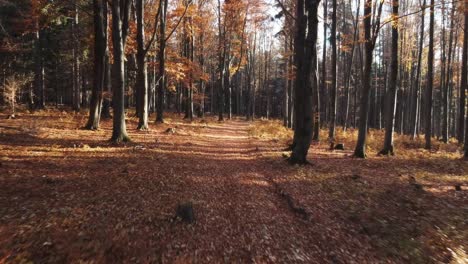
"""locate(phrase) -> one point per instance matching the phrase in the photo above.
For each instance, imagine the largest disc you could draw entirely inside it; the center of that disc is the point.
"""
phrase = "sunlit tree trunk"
(142, 68)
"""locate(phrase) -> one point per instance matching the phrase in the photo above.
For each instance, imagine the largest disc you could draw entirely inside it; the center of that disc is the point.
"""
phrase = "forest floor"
(69, 195)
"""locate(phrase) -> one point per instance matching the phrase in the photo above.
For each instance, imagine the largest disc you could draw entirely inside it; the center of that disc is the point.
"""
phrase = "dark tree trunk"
(430, 77)
(360, 150)
(464, 81)
(391, 96)
(306, 78)
(462, 130)
(120, 14)
(333, 90)
(445, 129)
(100, 50)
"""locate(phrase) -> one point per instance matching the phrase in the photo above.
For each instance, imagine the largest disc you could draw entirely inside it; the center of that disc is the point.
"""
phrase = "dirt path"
(69, 196)
(243, 212)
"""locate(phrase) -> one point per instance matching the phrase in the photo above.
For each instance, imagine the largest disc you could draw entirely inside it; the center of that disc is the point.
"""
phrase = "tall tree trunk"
(306, 78)
(120, 14)
(417, 84)
(360, 150)
(464, 81)
(142, 74)
(333, 90)
(391, 96)
(162, 62)
(286, 79)
(100, 50)
(348, 74)
(221, 65)
(445, 129)
(430, 77)
(323, 86)
(290, 85)
(462, 127)
(76, 63)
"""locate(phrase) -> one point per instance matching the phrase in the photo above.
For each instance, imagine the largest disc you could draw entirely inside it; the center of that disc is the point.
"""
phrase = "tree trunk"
(360, 150)
(306, 78)
(445, 129)
(417, 84)
(464, 81)
(100, 50)
(142, 68)
(162, 62)
(76, 64)
(430, 77)
(323, 85)
(120, 15)
(462, 130)
(333, 90)
(391, 96)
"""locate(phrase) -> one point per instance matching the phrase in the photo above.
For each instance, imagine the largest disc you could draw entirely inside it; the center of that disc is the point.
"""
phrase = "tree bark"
(142, 68)
(391, 96)
(360, 150)
(464, 81)
(462, 130)
(100, 50)
(306, 78)
(162, 62)
(333, 89)
(430, 77)
(120, 14)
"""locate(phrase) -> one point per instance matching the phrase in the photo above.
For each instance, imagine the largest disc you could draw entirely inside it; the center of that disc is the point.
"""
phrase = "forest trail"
(69, 195)
(240, 211)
